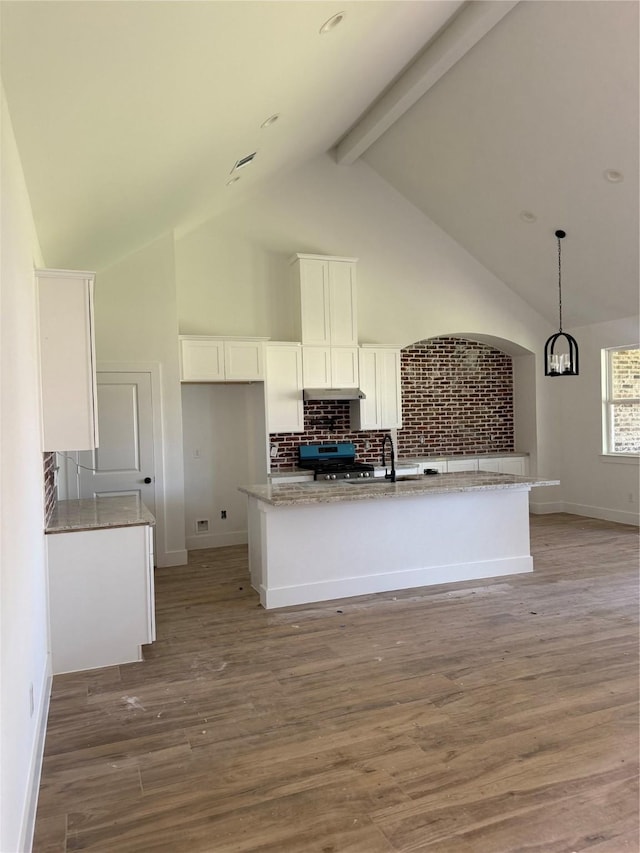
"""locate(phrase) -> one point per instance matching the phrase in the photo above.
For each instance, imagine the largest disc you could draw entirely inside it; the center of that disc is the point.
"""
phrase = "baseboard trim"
(172, 558)
(389, 581)
(216, 540)
(35, 769)
(604, 513)
(546, 507)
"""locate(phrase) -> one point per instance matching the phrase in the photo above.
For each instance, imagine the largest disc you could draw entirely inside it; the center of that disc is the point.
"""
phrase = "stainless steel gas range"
(333, 461)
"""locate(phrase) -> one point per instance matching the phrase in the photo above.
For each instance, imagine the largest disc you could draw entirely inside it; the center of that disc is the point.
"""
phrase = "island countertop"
(319, 492)
(98, 513)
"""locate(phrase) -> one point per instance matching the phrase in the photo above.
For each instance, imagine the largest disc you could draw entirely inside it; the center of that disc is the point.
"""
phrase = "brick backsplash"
(49, 463)
(457, 399)
(325, 421)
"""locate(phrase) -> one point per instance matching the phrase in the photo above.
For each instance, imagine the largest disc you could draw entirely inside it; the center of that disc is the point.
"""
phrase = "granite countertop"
(291, 494)
(98, 513)
(408, 460)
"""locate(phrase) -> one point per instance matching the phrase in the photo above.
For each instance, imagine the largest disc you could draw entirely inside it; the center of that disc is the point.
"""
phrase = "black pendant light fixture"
(561, 350)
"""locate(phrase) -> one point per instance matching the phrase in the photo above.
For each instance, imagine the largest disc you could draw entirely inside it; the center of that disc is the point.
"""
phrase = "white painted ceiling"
(129, 117)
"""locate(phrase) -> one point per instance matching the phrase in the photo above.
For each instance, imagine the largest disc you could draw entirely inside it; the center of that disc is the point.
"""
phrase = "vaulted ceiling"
(501, 121)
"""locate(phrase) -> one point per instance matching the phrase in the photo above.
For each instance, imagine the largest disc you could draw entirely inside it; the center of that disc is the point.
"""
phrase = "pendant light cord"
(560, 234)
(560, 281)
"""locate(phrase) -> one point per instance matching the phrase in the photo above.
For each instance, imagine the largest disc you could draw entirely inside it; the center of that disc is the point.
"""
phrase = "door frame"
(71, 486)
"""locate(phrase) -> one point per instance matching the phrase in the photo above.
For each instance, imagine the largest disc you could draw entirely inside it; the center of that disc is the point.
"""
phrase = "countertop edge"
(102, 513)
(307, 494)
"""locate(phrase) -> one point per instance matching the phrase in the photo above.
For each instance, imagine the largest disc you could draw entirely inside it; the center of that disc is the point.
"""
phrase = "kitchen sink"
(381, 481)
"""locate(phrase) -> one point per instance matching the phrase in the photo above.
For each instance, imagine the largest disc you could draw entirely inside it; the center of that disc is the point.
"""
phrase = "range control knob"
(347, 476)
(333, 476)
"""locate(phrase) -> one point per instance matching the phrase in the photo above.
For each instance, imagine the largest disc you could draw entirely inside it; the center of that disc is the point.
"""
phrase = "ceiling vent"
(244, 161)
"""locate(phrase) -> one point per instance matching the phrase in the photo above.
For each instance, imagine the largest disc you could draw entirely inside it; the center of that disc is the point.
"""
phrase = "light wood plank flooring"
(481, 717)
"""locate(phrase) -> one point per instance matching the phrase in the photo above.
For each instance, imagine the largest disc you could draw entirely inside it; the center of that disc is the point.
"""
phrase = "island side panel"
(325, 551)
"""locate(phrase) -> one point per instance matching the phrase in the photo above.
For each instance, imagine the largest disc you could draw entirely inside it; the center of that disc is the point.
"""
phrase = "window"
(621, 400)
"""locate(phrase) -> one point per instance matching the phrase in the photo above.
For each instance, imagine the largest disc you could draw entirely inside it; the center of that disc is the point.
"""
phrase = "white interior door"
(123, 464)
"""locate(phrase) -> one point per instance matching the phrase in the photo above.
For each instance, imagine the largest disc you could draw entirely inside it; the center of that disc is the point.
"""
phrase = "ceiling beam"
(466, 30)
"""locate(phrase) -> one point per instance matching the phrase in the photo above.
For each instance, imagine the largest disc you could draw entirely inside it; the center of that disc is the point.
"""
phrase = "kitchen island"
(318, 541)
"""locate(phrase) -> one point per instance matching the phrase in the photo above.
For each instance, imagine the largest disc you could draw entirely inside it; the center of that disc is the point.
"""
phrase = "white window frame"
(608, 403)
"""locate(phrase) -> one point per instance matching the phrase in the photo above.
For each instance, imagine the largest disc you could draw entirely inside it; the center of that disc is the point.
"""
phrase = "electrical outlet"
(223, 513)
(31, 700)
(273, 451)
(196, 453)
(202, 525)
(630, 497)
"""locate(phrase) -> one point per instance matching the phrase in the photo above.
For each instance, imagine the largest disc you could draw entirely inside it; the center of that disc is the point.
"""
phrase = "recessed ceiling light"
(528, 216)
(613, 176)
(271, 120)
(232, 181)
(332, 23)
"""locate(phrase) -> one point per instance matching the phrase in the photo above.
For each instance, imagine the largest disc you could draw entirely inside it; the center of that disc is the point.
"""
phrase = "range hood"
(333, 394)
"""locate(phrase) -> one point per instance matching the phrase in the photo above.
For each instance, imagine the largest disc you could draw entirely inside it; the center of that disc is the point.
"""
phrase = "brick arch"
(457, 398)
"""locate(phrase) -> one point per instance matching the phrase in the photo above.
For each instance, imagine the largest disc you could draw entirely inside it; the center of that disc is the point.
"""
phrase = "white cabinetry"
(283, 383)
(504, 464)
(67, 360)
(466, 464)
(380, 381)
(210, 359)
(101, 596)
(330, 367)
(325, 288)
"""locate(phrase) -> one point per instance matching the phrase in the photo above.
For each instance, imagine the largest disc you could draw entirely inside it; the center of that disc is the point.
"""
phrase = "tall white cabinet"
(325, 288)
(67, 359)
(283, 391)
(380, 381)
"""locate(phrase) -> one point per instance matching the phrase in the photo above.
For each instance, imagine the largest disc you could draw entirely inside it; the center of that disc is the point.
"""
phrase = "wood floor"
(481, 717)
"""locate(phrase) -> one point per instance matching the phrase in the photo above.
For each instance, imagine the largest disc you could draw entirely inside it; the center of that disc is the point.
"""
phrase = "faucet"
(389, 476)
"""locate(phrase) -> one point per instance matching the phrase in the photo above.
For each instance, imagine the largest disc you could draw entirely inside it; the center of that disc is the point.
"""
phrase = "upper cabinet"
(330, 367)
(209, 359)
(325, 288)
(285, 412)
(380, 381)
(67, 359)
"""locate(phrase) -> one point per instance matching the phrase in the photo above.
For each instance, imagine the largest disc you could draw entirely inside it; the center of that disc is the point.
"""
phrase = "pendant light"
(561, 350)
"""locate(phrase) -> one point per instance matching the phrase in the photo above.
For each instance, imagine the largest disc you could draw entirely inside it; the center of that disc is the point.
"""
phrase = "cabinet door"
(365, 413)
(343, 303)
(314, 300)
(388, 389)
(491, 464)
(243, 361)
(201, 361)
(283, 383)
(344, 367)
(513, 465)
(462, 465)
(67, 360)
(316, 367)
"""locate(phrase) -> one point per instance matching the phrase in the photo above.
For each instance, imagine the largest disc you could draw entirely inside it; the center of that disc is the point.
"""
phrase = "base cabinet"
(101, 596)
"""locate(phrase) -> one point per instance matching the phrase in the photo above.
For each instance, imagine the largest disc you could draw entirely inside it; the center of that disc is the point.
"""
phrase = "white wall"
(414, 281)
(224, 447)
(136, 321)
(593, 484)
(24, 657)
